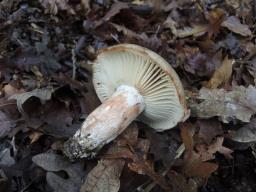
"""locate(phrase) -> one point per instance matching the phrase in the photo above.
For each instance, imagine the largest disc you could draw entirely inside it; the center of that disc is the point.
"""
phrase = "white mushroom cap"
(150, 74)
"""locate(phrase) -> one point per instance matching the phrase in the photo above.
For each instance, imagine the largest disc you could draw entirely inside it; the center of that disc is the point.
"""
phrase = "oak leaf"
(104, 177)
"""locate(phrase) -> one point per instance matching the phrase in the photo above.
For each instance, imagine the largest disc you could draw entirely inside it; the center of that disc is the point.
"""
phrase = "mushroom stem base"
(105, 123)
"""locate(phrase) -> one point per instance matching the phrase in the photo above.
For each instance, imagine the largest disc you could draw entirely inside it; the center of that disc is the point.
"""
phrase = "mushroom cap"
(150, 74)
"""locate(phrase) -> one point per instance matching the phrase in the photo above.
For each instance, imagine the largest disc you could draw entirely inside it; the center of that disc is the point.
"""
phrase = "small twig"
(73, 64)
(3, 105)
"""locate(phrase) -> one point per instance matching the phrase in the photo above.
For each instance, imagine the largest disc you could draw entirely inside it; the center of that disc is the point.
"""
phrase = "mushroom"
(133, 83)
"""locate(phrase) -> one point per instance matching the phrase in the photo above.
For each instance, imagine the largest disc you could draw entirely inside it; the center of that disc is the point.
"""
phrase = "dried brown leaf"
(9, 90)
(233, 24)
(195, 31)
(207, 152)
(240, 103)
(215, 18)
(187, 136)
(35, 136)
(195, 167)
(129, 136)
(222, 74)
(104, 177)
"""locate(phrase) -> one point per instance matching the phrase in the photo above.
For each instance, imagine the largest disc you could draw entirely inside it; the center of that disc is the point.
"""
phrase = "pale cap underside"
(150, 74)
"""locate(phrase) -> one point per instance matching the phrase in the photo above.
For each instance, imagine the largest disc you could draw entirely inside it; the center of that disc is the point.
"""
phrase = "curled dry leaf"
(222, 74)
(44, 95)
(104, 177)
(246, 133)
(234, 25)
(115, 9)
(239, 103)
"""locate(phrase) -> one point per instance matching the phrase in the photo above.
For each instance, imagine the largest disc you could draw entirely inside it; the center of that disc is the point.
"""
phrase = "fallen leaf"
(115, 9)
(54, 163)
(60, 184)
(163, 147)
(195, 167)
(34, 136)
(178, 181)
(209, 129)
(233, 24)
(215, 18)
(50, 161)
(53, 6)
(104, 177)
(246, 133)
(5, 158)
(207, 152)
(187, 136)
(239, 103)
(86, 4)
(197, 30)
(222, 74)
(129, 136)
(9, 90)
(200, 63)
(5, 124)
(43, 94)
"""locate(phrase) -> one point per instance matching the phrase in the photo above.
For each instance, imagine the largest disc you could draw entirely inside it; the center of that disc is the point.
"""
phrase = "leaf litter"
(46, 92)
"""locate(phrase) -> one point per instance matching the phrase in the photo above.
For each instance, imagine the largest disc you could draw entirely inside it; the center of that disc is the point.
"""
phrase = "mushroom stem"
(105, 123)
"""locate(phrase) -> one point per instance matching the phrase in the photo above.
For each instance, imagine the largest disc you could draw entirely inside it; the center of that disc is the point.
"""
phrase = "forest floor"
(46, 51)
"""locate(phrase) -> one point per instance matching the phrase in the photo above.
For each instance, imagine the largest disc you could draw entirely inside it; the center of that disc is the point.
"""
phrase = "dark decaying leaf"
(5, 124)
(246, 133)
(209, 129)
(54, 163)
(104, 177)
(240, 103)
(178, 181)
(163, 147)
